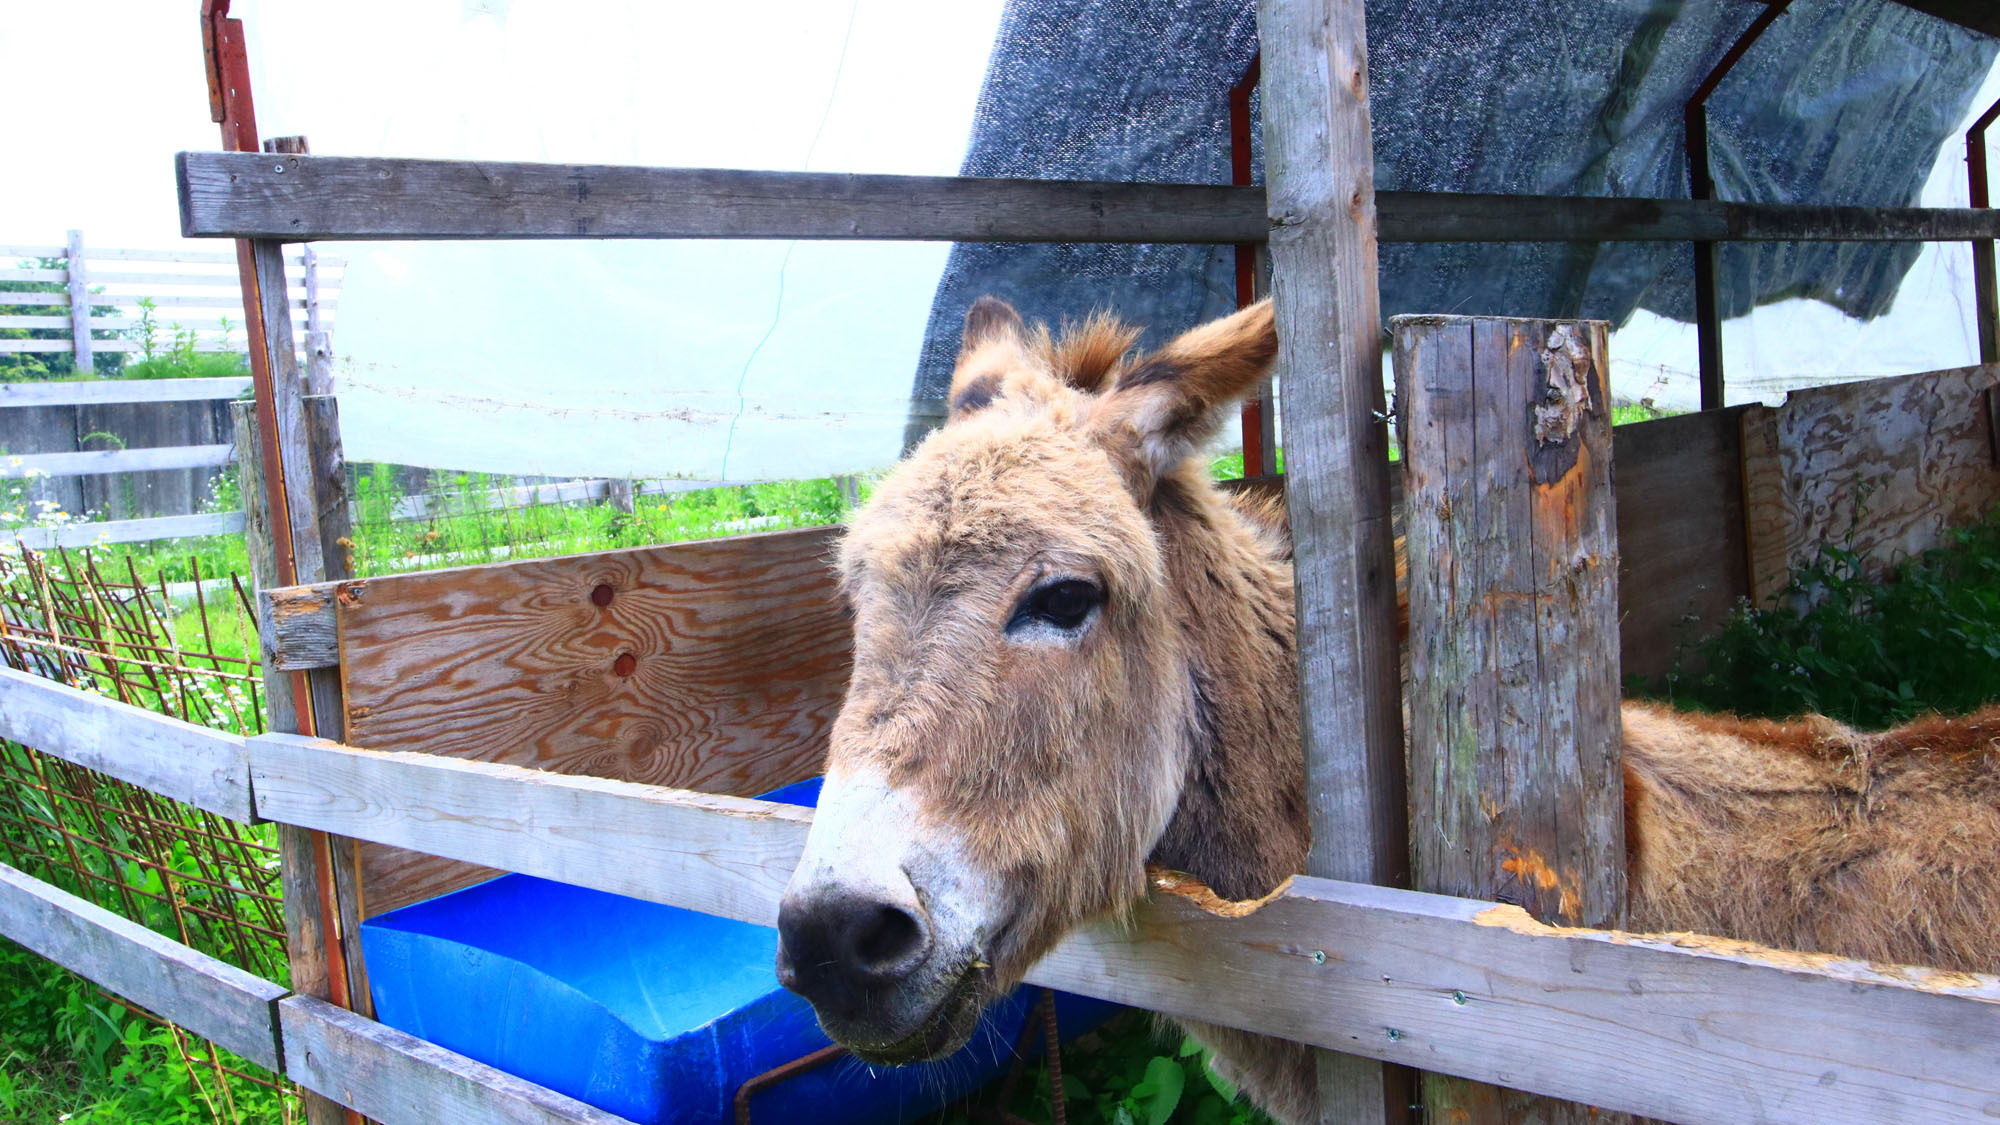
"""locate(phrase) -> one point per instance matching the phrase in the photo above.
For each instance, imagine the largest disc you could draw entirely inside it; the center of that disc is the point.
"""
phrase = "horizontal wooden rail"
(18, 347)
(163, 325)
(183, 257)
(177, 300)
(208, 769)
(1683, 1027)
(397, 1079)
(240, 195)
(90, 392)
(94, 461)
(213, 999)
(94, 534)
(719, 855)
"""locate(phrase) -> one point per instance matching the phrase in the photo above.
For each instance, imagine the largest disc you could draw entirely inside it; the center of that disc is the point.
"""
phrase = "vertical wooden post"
(1319, 176)
(319, 350)
(1516, 785)
(79, 304)
(618, 490)
(305, 519)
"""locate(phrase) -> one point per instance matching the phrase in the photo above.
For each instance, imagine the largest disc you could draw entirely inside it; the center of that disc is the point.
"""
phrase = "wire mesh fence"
(208, 882)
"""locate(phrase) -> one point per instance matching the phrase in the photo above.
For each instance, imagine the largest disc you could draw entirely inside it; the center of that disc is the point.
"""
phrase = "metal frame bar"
(1701, 186)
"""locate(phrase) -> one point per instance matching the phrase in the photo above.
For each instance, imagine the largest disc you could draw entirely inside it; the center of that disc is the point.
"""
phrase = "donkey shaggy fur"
(1055, 760)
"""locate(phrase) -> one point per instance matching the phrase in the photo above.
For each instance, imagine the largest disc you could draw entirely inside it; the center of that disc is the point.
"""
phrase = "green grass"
(68, 1053)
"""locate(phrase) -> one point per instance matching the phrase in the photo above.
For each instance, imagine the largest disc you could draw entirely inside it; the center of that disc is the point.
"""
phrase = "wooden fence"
(194, 290)
(174, 433)
(1676, 1026)
(1682, 1027)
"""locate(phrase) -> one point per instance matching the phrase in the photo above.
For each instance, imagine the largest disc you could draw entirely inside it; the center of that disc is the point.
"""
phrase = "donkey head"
(1021, 721)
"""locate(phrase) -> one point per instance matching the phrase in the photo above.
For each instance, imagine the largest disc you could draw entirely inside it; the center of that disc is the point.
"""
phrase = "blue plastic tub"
(651, 1012)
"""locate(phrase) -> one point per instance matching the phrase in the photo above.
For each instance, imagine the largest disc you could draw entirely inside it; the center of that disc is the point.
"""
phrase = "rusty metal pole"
(1986, 302)
(320, 969)
(1260, 454)
(1985, 293)
(1701, 185)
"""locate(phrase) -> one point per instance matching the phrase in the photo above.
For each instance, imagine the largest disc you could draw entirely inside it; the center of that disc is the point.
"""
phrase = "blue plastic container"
(651, 1012)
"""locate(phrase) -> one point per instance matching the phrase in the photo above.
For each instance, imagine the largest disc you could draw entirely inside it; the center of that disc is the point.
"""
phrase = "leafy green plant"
(1867, 651)
(169, 351)
(1124, 1073)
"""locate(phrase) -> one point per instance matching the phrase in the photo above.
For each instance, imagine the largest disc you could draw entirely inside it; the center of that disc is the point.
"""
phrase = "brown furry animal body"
(1074, 656)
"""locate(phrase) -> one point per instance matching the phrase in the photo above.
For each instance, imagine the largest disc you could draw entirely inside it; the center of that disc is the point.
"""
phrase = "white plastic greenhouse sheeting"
(757, 359)
(625, 358)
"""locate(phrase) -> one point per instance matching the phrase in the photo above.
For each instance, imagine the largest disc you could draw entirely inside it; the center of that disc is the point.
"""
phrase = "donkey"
(1074, 657)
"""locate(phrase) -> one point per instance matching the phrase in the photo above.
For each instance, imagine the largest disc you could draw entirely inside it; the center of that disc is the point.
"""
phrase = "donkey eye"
(1065, 604)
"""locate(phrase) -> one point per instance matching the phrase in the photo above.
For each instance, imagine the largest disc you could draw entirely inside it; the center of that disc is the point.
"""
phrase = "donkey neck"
(1241, 823)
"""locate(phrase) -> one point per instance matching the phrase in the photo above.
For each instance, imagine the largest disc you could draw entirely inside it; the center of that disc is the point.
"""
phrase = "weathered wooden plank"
(1319, 170)
(1455, 217)
(715, 665)
(320, 197)
(15, 347)
(331, 198)
(218, 279)
(205, 768)
(299, 629)
(119, 460)
(35, 299)
(1516, 790)
(721, 855)
(183, 257)
(93, 392)
(1683, 1027)
(398, 1079)
(1679, 1027)
(128, 531)
(23, 320)
(79, 302)
(35, 275)
(1681, 562)
(213, 999)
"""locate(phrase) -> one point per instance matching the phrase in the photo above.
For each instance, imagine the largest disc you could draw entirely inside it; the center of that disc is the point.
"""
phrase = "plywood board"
(1679, 485)
(1884, 467)
(716, 665)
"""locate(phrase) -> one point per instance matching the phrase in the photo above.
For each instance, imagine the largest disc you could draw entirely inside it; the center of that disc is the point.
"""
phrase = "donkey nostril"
(886, 941)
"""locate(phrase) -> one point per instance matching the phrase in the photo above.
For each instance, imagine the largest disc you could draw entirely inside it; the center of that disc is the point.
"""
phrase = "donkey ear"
(1170, 403)
(994, 342)
(991, 320)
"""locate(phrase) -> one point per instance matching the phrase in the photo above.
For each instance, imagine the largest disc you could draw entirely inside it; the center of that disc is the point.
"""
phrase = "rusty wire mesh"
(206, 881)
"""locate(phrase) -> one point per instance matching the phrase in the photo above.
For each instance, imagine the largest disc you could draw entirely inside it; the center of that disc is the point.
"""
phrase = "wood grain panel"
(1885, 466)
(716, 665)
(1679, 486)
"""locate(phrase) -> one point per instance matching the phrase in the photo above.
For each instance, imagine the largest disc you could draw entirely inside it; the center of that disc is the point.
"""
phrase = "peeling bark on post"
(1516, 790)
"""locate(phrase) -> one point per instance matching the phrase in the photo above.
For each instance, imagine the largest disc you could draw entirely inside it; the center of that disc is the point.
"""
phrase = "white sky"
(595, 358)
